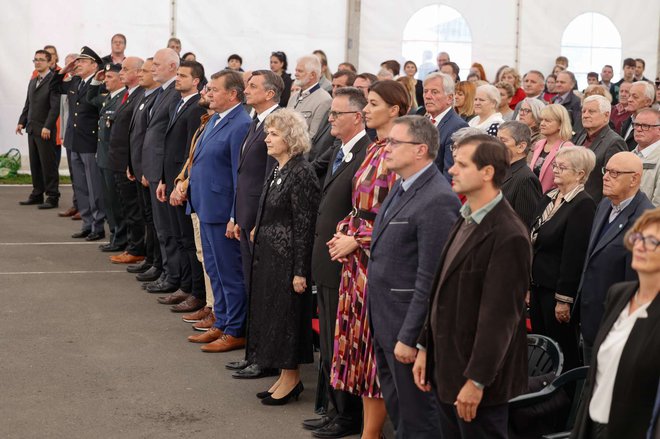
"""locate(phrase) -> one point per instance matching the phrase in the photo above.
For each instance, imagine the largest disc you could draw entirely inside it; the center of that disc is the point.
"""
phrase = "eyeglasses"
(396, 143)
(644, 126)
(278, 54)
(650, 243)
(613, 173)
(525, 111)
(336, 114)
(560, 168)
(39, 60)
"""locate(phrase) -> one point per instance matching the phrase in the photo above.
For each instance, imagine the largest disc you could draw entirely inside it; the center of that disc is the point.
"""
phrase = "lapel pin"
(279, 181)
(348, 157)
(141, 107)
(621, 226)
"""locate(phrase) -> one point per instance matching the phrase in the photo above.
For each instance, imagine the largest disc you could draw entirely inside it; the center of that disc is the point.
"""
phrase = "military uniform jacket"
(82, 125)
(107, 105)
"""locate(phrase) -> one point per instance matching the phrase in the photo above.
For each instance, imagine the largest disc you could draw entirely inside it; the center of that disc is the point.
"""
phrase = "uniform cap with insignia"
(113, 67)
(88, 53)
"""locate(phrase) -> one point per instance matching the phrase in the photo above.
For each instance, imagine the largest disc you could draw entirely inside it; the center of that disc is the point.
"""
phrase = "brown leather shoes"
(225, 343)
(211, 335)
(174, 298)
(76, 217)
(126, 258)
(67, 213)
(191, 303)
(197, 316)
(206, 323)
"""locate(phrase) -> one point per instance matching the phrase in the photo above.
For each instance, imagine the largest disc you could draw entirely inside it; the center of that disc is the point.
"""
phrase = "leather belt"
(363, 214)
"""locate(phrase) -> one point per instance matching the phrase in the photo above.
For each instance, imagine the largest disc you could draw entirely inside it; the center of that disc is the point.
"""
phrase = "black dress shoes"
(150, 275)
(95, 236)
(113, 248)
(162, 287)
(254, 371)
(316, 423)
(51, 203)
(337, 428)
(81, 234)
(294, 393)
(139, 268)
(237, 365)
(32, 201)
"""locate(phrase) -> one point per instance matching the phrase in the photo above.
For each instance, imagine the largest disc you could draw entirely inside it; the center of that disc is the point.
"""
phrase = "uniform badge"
(348, 157)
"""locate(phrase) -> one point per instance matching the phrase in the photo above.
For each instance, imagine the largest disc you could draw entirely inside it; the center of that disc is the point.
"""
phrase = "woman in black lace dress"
(279, 328)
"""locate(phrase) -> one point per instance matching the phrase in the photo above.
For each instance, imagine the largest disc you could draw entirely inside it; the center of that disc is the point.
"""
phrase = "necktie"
(638, 153)
(178, 107)
(209, 127)
(431, 119)
(39, 79)
(125, 98)
(558, 100)
(338, 160)
(251, 130)
(396, 198)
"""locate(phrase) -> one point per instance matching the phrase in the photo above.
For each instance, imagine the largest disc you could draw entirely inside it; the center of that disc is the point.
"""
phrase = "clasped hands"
(340, 246)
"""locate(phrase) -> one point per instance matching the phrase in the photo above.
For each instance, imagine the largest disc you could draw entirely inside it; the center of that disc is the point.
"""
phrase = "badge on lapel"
(348, 157)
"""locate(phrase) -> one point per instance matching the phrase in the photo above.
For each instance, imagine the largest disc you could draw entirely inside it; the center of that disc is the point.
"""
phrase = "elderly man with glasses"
(647, 136)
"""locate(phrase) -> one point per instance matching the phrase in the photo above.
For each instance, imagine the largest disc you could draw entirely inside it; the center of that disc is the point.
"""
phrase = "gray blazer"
(313, 107)
(407, 241)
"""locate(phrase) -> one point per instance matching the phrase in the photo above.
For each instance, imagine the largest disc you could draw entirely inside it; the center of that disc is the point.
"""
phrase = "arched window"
(434, 29)
(589, 42)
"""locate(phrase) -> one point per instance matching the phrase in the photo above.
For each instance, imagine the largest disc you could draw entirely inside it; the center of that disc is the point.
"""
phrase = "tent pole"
(353, 8)
(518, 17)
(173, 18)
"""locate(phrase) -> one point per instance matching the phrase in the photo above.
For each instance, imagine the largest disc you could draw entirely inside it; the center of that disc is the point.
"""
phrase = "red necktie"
(431, 119)
(125, 98)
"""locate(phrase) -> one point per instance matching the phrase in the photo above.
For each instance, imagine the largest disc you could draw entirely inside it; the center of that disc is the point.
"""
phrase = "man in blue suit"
(407, 241)
(439, 104)
(608, 261)
(211, 194)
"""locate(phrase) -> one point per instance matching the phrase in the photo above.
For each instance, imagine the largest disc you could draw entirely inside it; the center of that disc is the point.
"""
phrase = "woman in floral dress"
(353, 363)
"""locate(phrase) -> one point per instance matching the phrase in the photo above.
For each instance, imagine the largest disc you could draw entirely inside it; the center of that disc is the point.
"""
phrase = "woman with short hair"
(512, 76)
(486, 102)
(529, 113)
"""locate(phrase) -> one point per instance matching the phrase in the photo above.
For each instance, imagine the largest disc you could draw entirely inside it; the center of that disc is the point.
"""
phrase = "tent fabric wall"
(254, 28)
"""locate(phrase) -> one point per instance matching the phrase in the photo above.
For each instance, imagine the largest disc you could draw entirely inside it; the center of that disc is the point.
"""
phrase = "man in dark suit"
(118, 152)
(347, 124)
(564, 86)
(262, 93)
(407, 240)
(533, 85)
(212, 191)
(641, 97)
(521, 187)
(600, 138)
(152, 267)
(439, 104)
(39, 115)
(81, 136)
(608, 261)
(185, 118)
(473, 345)
(163, 69)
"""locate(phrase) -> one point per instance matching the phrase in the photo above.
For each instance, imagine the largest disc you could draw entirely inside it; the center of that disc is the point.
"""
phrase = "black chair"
(551, 411)
(544, 356)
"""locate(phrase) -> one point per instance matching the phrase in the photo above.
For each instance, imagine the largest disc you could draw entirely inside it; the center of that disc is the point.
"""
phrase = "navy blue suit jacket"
(607, 261)
(82, 126)
(407, 241)
(212, 187)
(449, 124)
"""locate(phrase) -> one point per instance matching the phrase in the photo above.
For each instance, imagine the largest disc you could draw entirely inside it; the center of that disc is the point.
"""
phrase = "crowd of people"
(422, 220)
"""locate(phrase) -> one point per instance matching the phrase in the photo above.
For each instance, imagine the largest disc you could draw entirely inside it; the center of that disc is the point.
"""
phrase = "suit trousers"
(87, 186)
(413, 413)
(130, 212)
(192, 272)
(222, 258)
(74, 202)
(246, 261)
(346, 406)
(491, 422)
(166, 237)
(113, 214)
(200, 258)
(43, 166)
(151, 245)
(542, 314)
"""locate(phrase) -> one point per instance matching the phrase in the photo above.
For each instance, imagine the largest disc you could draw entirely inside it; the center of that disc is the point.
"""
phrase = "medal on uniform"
(348, 157)
(141, 106)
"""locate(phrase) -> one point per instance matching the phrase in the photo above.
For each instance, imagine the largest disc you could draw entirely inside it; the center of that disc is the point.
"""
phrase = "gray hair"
(293, 130)
(580, 158)
(448, 84)
(422, 130)
(649, 89)
(519, 132)
(272, 82)
(356, 99)
(492, 92)
(311, 63)
(464, 133)
(570, 75)
(604, 105)
(536, 105)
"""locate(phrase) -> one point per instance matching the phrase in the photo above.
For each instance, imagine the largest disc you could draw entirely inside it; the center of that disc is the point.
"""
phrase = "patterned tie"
(209, 127)
(338, 160)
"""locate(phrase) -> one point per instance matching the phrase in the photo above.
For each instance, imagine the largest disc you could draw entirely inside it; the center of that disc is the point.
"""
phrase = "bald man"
(608, 261)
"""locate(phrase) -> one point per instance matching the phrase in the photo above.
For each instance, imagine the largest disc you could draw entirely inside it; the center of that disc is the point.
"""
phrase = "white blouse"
(476, 121)
(609, 355)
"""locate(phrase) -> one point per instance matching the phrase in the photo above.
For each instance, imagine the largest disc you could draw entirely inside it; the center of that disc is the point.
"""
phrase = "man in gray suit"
(409, 233)
(311, 100)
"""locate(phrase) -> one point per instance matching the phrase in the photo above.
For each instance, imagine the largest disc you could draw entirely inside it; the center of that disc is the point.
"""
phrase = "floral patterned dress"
(353, 362)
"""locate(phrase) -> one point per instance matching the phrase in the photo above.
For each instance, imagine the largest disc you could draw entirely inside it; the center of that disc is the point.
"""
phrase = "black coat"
(107, 106)
(279, 331)
(631, 143)
(522, 189)
(42, 107)
(82, 126)
(322, 140)
(154, 138)
(118, 150)
(574, 107)
(636, 382)
(180, 131)
(138, 129)
(336, 204)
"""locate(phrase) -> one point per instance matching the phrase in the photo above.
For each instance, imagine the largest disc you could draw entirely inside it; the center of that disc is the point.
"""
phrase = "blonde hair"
(469, 90)
(560, 114)
(581, 159)
(293, 130)
(597, 90)
(409, 84)
(514, 72)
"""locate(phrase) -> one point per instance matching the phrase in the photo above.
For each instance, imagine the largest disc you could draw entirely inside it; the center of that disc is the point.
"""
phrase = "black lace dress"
(279, 327)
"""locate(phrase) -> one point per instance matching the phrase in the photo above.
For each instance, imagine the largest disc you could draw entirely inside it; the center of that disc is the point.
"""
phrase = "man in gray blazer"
(409, 233)
(600, 138)
(311, 100)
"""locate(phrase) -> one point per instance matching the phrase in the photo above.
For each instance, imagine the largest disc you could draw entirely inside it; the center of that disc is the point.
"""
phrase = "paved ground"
(84, 352)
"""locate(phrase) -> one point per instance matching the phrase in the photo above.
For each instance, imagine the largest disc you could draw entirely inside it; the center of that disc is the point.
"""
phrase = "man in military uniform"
(108, 105)
(81, 137)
